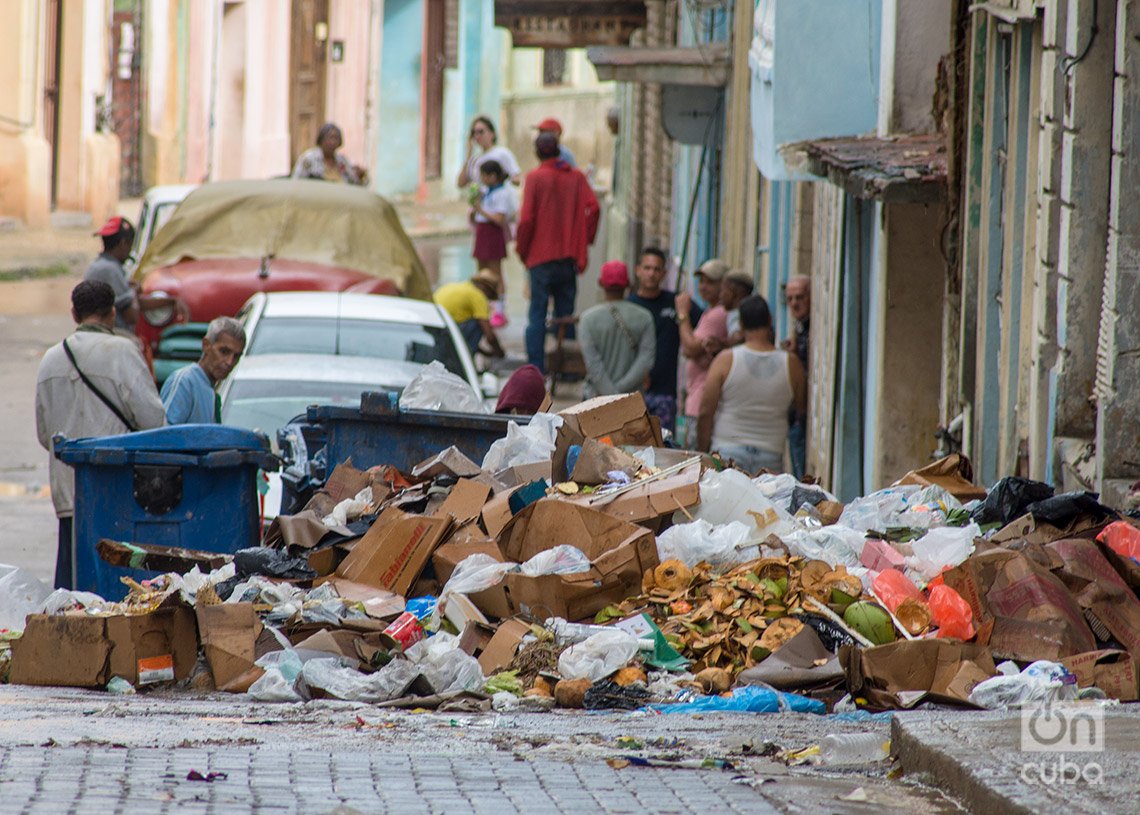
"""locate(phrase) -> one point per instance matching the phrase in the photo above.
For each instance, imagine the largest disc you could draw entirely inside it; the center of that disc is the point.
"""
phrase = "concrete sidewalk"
(978, 758)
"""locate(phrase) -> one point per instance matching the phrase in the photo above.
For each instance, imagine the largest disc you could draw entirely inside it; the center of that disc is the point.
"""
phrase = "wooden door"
(434, 62)
(308, 63)
(53, 54)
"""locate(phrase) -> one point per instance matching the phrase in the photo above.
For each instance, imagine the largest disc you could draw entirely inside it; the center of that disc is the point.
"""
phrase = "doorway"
(308, 67)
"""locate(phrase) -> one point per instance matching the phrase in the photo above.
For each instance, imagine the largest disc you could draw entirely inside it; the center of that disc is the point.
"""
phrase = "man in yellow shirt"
(469, 304)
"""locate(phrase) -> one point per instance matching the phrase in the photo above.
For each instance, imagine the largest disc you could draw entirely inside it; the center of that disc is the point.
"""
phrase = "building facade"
(57, 149)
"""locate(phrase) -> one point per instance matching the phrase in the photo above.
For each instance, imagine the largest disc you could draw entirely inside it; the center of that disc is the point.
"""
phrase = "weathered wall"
(25, 159)
(916, 33)
(397, 168)
(910, 366)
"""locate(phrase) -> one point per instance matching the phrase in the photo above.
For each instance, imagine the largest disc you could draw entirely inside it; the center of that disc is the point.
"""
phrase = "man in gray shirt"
(619, 340)
(118, 235)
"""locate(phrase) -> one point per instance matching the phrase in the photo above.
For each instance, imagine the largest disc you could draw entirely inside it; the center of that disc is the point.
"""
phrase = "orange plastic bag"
(951, 613)
(1122, 538)
(892, 587)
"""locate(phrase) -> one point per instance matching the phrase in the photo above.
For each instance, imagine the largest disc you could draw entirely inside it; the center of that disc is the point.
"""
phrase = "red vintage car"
(231, 239)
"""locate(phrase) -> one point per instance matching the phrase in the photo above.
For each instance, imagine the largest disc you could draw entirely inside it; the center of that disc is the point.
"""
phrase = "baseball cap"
(550, 124)
(614, 274)
(115, 224)
(740, 276)
(714, 269)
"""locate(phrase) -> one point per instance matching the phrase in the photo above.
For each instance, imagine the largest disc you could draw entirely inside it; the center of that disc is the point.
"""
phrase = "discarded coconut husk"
(672, 575)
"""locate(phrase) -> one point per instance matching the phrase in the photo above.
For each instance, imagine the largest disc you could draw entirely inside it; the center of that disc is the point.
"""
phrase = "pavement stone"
(979, 758)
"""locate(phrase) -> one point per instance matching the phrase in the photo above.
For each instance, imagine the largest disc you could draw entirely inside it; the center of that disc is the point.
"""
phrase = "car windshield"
(378, 339)
(269, 404)
(162, 213)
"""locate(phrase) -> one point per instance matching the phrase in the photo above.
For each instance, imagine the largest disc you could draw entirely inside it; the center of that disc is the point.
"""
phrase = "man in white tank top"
(749, 390)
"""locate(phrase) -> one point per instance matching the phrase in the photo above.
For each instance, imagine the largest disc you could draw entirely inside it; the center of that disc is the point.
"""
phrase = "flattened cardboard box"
(394, 550)
(651, 500)
(1114, 672)
(613, 577)
(903, 673)
(620, 553)
(623, 418)
(143, 649)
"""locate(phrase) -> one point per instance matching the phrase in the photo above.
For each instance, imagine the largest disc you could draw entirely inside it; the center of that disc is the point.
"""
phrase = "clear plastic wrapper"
(436, 388)
(524, 444)
(598, 656)
(1041, 683)
(693, 542)
(562, 559)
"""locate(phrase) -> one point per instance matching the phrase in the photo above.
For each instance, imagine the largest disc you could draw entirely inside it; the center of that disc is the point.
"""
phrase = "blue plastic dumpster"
(187, 485)
(380, 433)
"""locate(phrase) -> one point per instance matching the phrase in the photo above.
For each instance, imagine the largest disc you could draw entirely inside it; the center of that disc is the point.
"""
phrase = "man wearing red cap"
(118, 235)
(554, 128)
(619, 339)
(558, 222)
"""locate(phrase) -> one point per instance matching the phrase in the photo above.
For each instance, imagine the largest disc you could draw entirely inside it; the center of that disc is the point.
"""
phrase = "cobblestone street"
(81, 752)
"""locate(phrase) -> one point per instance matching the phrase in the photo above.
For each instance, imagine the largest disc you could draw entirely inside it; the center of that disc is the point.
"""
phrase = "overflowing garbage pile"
(581, 564)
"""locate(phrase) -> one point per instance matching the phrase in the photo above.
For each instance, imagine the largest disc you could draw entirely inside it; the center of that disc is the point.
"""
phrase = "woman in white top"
(483, 136)
(750, 387)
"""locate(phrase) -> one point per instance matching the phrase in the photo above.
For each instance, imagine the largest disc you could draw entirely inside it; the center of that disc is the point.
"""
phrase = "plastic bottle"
(853, 748)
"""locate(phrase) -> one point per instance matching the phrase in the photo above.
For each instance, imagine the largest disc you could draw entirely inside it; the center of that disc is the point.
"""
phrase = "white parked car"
(158, 205)
(308, 348)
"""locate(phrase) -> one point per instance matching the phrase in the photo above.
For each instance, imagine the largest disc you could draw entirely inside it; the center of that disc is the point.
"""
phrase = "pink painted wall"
(347, 101)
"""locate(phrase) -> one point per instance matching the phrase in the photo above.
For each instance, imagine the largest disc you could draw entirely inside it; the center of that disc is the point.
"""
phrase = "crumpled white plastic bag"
(436, 388)
(524, 444)
(942, 547)
(833, 544)
(342, 681)
(476, 573)
(282, 681)
(598, 656)
(444, 666)
(21, 594)
(732, 496)
(718, 545)
(1040, 684)
(561, 559)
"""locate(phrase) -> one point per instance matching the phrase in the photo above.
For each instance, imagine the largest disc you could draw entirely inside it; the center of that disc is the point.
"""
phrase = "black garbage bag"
(806, 495)
(261, 560)
(1061, 509)
(609, 695)
(831, 635)
(1009, 499)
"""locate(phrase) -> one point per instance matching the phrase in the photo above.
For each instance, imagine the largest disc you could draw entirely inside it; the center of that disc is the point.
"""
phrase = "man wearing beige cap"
(736, 285)
(469, 304)
(701, 344)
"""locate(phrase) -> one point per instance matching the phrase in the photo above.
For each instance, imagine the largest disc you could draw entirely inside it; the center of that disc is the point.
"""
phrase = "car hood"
(332, 225)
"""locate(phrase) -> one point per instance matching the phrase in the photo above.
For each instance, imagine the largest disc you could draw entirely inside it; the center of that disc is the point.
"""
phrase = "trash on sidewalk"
(582, 565)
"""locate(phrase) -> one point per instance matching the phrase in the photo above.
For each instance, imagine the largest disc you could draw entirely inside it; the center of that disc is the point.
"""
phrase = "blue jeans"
(472, 332)
(749, 458)
(797, 445)
(557, 279)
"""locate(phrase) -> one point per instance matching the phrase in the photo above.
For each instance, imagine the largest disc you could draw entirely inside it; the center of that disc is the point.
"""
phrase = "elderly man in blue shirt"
(188, 395)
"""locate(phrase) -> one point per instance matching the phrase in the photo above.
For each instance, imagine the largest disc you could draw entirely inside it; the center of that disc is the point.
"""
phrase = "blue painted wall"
(398, 145)
(801, 90)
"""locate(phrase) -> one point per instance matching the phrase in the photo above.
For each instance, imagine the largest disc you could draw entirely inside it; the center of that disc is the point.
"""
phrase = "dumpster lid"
(180, 438)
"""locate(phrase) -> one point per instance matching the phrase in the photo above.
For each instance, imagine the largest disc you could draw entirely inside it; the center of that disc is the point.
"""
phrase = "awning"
(709, 65)
(569, 23)
(891, 169)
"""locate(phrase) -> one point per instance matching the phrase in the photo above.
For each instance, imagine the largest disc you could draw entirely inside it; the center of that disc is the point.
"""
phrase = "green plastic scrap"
(664, 655)
(507, 681)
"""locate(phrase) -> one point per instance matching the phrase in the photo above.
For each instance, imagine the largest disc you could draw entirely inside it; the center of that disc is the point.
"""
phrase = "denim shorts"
(751, 458)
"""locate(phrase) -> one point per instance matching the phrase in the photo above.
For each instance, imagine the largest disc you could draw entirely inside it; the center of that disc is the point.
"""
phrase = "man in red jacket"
(558, 222)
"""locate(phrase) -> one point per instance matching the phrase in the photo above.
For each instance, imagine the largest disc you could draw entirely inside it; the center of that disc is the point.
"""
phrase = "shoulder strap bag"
(91, 386)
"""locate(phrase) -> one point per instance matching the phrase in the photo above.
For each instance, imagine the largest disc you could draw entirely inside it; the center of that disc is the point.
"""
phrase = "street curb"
(952, 776)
